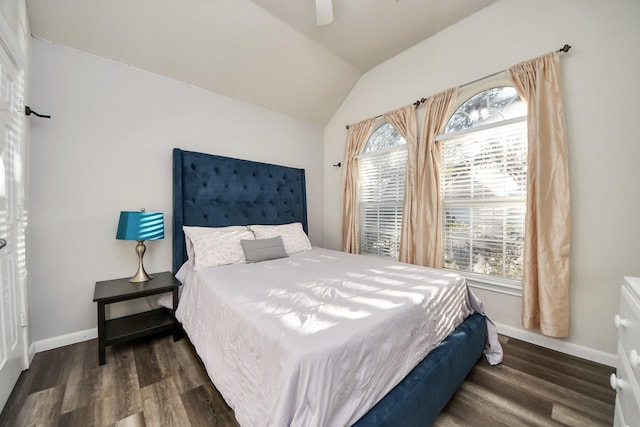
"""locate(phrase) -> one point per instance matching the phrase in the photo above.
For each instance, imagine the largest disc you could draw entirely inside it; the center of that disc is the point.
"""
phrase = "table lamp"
(140, 226)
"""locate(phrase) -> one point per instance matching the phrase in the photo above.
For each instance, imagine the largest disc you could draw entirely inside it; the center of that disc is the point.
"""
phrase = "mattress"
(318, 338)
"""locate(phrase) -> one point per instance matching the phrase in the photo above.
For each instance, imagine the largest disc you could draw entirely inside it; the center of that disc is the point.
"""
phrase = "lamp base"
(141, 275)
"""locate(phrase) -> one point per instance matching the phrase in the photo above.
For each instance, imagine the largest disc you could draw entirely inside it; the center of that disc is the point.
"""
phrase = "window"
(483, 187)
(382, 179)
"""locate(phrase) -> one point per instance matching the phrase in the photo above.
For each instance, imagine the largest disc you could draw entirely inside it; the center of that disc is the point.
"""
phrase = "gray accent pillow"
(263, 249)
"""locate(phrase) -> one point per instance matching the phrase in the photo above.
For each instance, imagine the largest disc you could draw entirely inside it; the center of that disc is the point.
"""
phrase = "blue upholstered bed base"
(422, 395)
(218, 191)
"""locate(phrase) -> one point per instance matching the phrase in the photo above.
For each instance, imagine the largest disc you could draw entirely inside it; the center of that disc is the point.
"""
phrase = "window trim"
(467, 91)
(451, 135)
(494, 284)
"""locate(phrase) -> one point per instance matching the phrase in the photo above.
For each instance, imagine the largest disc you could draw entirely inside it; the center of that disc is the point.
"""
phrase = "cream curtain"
(356, 139)
(421, 243)
(545, 283)
(405, 122)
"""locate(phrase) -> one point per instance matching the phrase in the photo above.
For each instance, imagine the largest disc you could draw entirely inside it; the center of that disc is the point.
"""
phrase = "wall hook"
(28, 111)
(337, 165)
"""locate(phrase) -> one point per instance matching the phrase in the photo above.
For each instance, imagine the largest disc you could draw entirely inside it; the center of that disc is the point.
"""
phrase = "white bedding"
(318, 338)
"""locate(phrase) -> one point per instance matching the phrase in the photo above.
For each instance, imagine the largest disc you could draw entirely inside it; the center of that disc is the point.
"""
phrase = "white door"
(13, 334)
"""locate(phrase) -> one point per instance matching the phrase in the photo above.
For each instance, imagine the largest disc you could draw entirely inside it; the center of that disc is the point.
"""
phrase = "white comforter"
(320, 337)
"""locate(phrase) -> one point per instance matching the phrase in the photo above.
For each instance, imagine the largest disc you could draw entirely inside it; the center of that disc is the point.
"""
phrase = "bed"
(276, 377)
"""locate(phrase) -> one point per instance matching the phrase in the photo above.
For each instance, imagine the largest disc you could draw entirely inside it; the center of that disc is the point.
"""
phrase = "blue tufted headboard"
(216, 191)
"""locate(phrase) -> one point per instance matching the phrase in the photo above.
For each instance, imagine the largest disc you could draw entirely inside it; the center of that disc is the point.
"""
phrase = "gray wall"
(107, 148)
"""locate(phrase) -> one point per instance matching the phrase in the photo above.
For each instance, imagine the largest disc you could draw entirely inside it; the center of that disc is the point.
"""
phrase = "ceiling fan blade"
(324, 12)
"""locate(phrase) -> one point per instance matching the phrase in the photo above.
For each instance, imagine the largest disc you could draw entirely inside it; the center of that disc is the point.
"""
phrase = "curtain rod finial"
(565, 48)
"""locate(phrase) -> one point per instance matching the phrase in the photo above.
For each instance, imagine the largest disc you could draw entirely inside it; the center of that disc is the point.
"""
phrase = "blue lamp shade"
(138, 225)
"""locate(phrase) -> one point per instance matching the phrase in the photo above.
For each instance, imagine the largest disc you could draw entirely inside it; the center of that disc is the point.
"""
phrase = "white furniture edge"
(604, 358)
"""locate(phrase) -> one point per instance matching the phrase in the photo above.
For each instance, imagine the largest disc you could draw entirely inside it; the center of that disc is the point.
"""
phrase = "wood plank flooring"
(158, 382)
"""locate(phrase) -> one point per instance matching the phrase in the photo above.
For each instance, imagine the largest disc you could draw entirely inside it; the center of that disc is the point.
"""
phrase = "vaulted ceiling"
(267, 52)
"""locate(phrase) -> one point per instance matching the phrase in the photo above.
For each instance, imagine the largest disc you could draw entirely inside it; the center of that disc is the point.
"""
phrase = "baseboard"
(62, 340)
(558, 345)
(31, 354)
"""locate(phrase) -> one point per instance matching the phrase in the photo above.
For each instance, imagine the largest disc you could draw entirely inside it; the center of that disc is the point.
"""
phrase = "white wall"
(601, 77)
(107, 148)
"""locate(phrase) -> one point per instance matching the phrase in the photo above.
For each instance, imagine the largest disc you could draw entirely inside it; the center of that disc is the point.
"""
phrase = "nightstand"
(123, 329)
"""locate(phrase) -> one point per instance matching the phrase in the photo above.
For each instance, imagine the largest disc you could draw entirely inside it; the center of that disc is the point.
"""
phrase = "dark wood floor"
(157, 382)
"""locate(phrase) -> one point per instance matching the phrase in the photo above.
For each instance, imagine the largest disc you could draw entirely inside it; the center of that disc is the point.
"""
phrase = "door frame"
(10, 45)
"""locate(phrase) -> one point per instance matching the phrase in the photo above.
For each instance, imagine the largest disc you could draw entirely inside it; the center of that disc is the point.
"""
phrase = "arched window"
(382, 178)
(483, 187)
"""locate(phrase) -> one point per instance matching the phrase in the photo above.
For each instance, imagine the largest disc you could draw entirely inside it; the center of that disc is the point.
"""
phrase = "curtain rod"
(563, 49)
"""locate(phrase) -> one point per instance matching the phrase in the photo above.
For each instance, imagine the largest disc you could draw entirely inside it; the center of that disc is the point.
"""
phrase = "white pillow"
(214, 246)
(191, 231)
(293, 236)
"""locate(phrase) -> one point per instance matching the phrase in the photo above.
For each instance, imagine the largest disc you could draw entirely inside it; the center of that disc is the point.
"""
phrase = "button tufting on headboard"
(220, 191)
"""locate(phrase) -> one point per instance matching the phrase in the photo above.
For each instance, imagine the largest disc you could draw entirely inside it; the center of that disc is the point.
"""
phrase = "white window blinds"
(382, 181)
(483, 189)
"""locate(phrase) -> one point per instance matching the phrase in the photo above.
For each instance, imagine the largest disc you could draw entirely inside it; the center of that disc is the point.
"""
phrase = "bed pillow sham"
(293, 236)
(263, 249)
(192, 231)
(215, 246)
